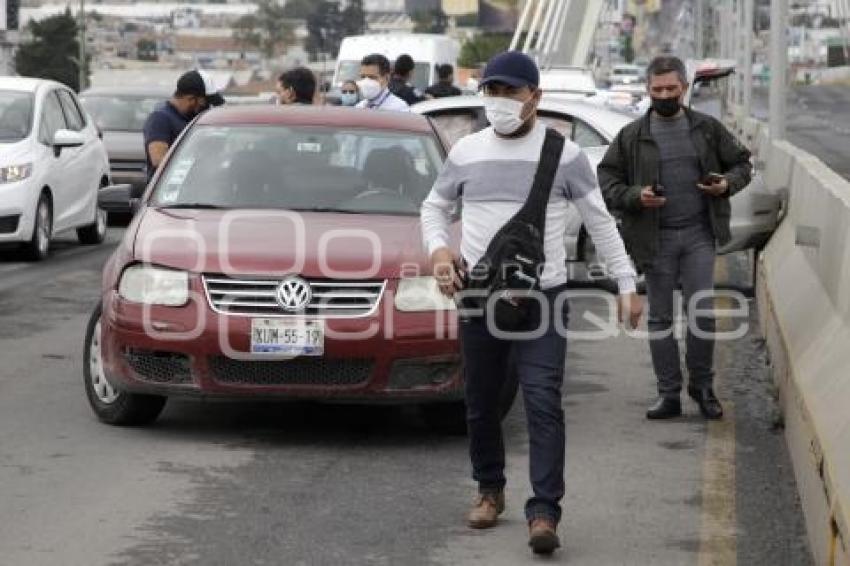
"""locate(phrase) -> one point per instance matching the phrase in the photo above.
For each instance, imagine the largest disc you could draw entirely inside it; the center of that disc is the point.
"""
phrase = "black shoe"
(709, 405)
(665, 408)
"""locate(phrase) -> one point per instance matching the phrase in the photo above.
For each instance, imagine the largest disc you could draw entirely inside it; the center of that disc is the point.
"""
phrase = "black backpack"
(512, 265)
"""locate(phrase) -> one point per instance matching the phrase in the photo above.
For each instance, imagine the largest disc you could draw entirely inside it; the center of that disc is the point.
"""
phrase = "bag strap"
(534, 209)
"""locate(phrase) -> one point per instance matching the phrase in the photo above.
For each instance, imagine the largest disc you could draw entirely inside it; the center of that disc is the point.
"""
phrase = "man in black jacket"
(400, 81)
(669, 175)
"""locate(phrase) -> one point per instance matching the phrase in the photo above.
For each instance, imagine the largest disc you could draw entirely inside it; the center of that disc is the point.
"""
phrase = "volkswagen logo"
(294, 294)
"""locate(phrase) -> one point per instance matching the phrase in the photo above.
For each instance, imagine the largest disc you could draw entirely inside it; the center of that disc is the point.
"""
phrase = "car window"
(585, 136)
(52, 118)
(16, 110)
(73, 116)
(303, 168)
(560, 122)
(120, 113)
(456, 123)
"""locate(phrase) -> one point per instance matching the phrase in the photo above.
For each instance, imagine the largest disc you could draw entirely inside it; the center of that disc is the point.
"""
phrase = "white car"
(755, 211)
(624, 74)
(52, 164)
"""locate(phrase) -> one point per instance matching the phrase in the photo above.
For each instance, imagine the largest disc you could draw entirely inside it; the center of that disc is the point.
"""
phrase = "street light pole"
(778, 67)
(81, 67)
(747, 102)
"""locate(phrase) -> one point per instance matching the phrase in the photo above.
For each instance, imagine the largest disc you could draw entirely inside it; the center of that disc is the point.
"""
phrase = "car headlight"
(13, 173)
(154, 286)
(421, 294)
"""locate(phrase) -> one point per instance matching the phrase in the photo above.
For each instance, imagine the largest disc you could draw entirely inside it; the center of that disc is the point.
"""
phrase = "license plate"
(287, 337)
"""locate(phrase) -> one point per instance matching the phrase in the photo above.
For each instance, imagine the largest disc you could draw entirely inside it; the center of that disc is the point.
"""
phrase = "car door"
(83, 167)
(52, 119)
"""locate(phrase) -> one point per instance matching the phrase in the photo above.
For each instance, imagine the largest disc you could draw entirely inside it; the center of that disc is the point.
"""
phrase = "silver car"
(755, 211)
(120, 115)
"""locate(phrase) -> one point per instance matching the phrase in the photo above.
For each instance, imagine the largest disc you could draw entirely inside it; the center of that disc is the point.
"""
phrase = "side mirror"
(116, 199)
(68, 138)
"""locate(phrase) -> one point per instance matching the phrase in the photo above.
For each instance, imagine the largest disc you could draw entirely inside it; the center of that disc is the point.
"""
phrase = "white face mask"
(505, 114)
(369, 88)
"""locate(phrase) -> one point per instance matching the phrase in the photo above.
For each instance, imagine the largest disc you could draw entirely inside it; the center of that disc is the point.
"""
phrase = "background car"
(120, 115)
(52, 164)
(277, 254)
(624, 74)
(755, 211)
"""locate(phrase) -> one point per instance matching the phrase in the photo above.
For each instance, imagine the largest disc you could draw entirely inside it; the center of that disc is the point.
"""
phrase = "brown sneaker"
(486, 510)
(542, 537)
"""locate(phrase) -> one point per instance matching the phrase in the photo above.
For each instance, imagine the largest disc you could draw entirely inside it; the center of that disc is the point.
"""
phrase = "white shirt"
(385, 101)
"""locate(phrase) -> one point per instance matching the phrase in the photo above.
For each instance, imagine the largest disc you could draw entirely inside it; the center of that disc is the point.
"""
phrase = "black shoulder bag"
(511, 267)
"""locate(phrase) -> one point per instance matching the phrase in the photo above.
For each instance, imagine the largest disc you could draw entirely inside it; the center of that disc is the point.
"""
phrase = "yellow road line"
(718, 522)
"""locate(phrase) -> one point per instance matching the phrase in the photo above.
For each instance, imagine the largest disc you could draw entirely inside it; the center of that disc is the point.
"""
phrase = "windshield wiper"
(330, 209)
(199, 205)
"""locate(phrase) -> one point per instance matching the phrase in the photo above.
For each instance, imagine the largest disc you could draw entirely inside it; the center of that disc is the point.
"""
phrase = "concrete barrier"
(803, 293)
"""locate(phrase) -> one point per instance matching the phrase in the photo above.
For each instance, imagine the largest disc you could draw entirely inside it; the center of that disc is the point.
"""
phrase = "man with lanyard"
(195, 93)
(670, 174)
(374, 85)
(490, 173)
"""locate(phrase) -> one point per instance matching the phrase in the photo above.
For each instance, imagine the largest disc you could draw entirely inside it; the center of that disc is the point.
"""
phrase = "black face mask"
(666, 107)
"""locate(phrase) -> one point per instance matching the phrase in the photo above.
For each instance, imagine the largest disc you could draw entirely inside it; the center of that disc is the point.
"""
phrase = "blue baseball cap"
(511, 68)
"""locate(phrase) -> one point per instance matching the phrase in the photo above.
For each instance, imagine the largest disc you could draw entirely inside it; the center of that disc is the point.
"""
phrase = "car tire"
(94, 233)
(38, 247)
(111, 405)
(450, 418)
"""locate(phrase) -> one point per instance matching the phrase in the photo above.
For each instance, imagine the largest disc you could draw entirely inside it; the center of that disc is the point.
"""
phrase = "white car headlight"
(13, 173)
(154, 286)
(421, 294)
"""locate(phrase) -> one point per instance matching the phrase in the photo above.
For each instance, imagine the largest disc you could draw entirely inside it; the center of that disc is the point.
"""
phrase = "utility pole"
(778, 67)
(747, 102)
(83, 76)
(699, 28)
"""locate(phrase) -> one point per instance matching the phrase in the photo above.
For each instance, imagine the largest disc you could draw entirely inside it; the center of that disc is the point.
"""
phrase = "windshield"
(350, 71)
(15, 115)
(303, 168)
(120, 113)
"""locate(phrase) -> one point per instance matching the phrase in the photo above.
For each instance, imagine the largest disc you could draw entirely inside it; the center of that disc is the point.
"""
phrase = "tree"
(482, 47)
(267, 29)
(430, 21)
(52, 53)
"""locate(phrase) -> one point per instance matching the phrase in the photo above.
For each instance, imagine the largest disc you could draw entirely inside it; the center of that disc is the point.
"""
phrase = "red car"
(277, 254)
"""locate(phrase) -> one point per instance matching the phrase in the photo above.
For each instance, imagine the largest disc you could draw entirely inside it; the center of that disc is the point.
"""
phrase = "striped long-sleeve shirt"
(493, 177)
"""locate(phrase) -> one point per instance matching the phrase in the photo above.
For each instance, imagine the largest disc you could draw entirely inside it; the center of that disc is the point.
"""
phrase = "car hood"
(241, 242)
(124, 146)
(15, 153)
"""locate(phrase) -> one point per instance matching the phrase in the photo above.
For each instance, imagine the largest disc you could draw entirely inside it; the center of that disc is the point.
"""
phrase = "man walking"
(195, 93)
(670, 174)
(491, 172)
(373, 85)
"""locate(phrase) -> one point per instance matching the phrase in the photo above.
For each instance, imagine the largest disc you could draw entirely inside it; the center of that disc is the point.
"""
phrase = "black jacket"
(632, 163)
(404, 91)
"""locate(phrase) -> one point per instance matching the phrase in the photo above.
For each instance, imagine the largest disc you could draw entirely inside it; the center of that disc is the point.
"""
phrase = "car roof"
(128, 91)
(594, 113)
(316, 116)
(24, 84)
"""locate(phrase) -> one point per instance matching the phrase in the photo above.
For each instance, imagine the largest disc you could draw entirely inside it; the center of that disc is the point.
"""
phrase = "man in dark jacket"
(445, 85)
(669, 175)
(400, 81)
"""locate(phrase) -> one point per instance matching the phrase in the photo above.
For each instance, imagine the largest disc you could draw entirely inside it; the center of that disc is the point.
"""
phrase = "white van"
(427, 51)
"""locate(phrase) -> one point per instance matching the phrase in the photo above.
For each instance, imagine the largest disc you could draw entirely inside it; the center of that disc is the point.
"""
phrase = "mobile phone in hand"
(712, 179)
(658, 189)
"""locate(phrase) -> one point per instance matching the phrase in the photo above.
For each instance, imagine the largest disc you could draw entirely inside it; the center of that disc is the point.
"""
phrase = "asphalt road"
(305, 484)
(818, 121)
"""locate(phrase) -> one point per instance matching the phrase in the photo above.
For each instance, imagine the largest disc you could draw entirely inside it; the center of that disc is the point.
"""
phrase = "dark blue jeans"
(540, 365)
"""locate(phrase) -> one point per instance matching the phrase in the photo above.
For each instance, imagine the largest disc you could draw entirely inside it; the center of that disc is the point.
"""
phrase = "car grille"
(258, 297)
(159, 367)
(9, 224)
(299, 371)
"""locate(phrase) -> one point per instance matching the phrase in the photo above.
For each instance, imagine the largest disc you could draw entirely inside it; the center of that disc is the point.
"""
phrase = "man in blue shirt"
(195, 93)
